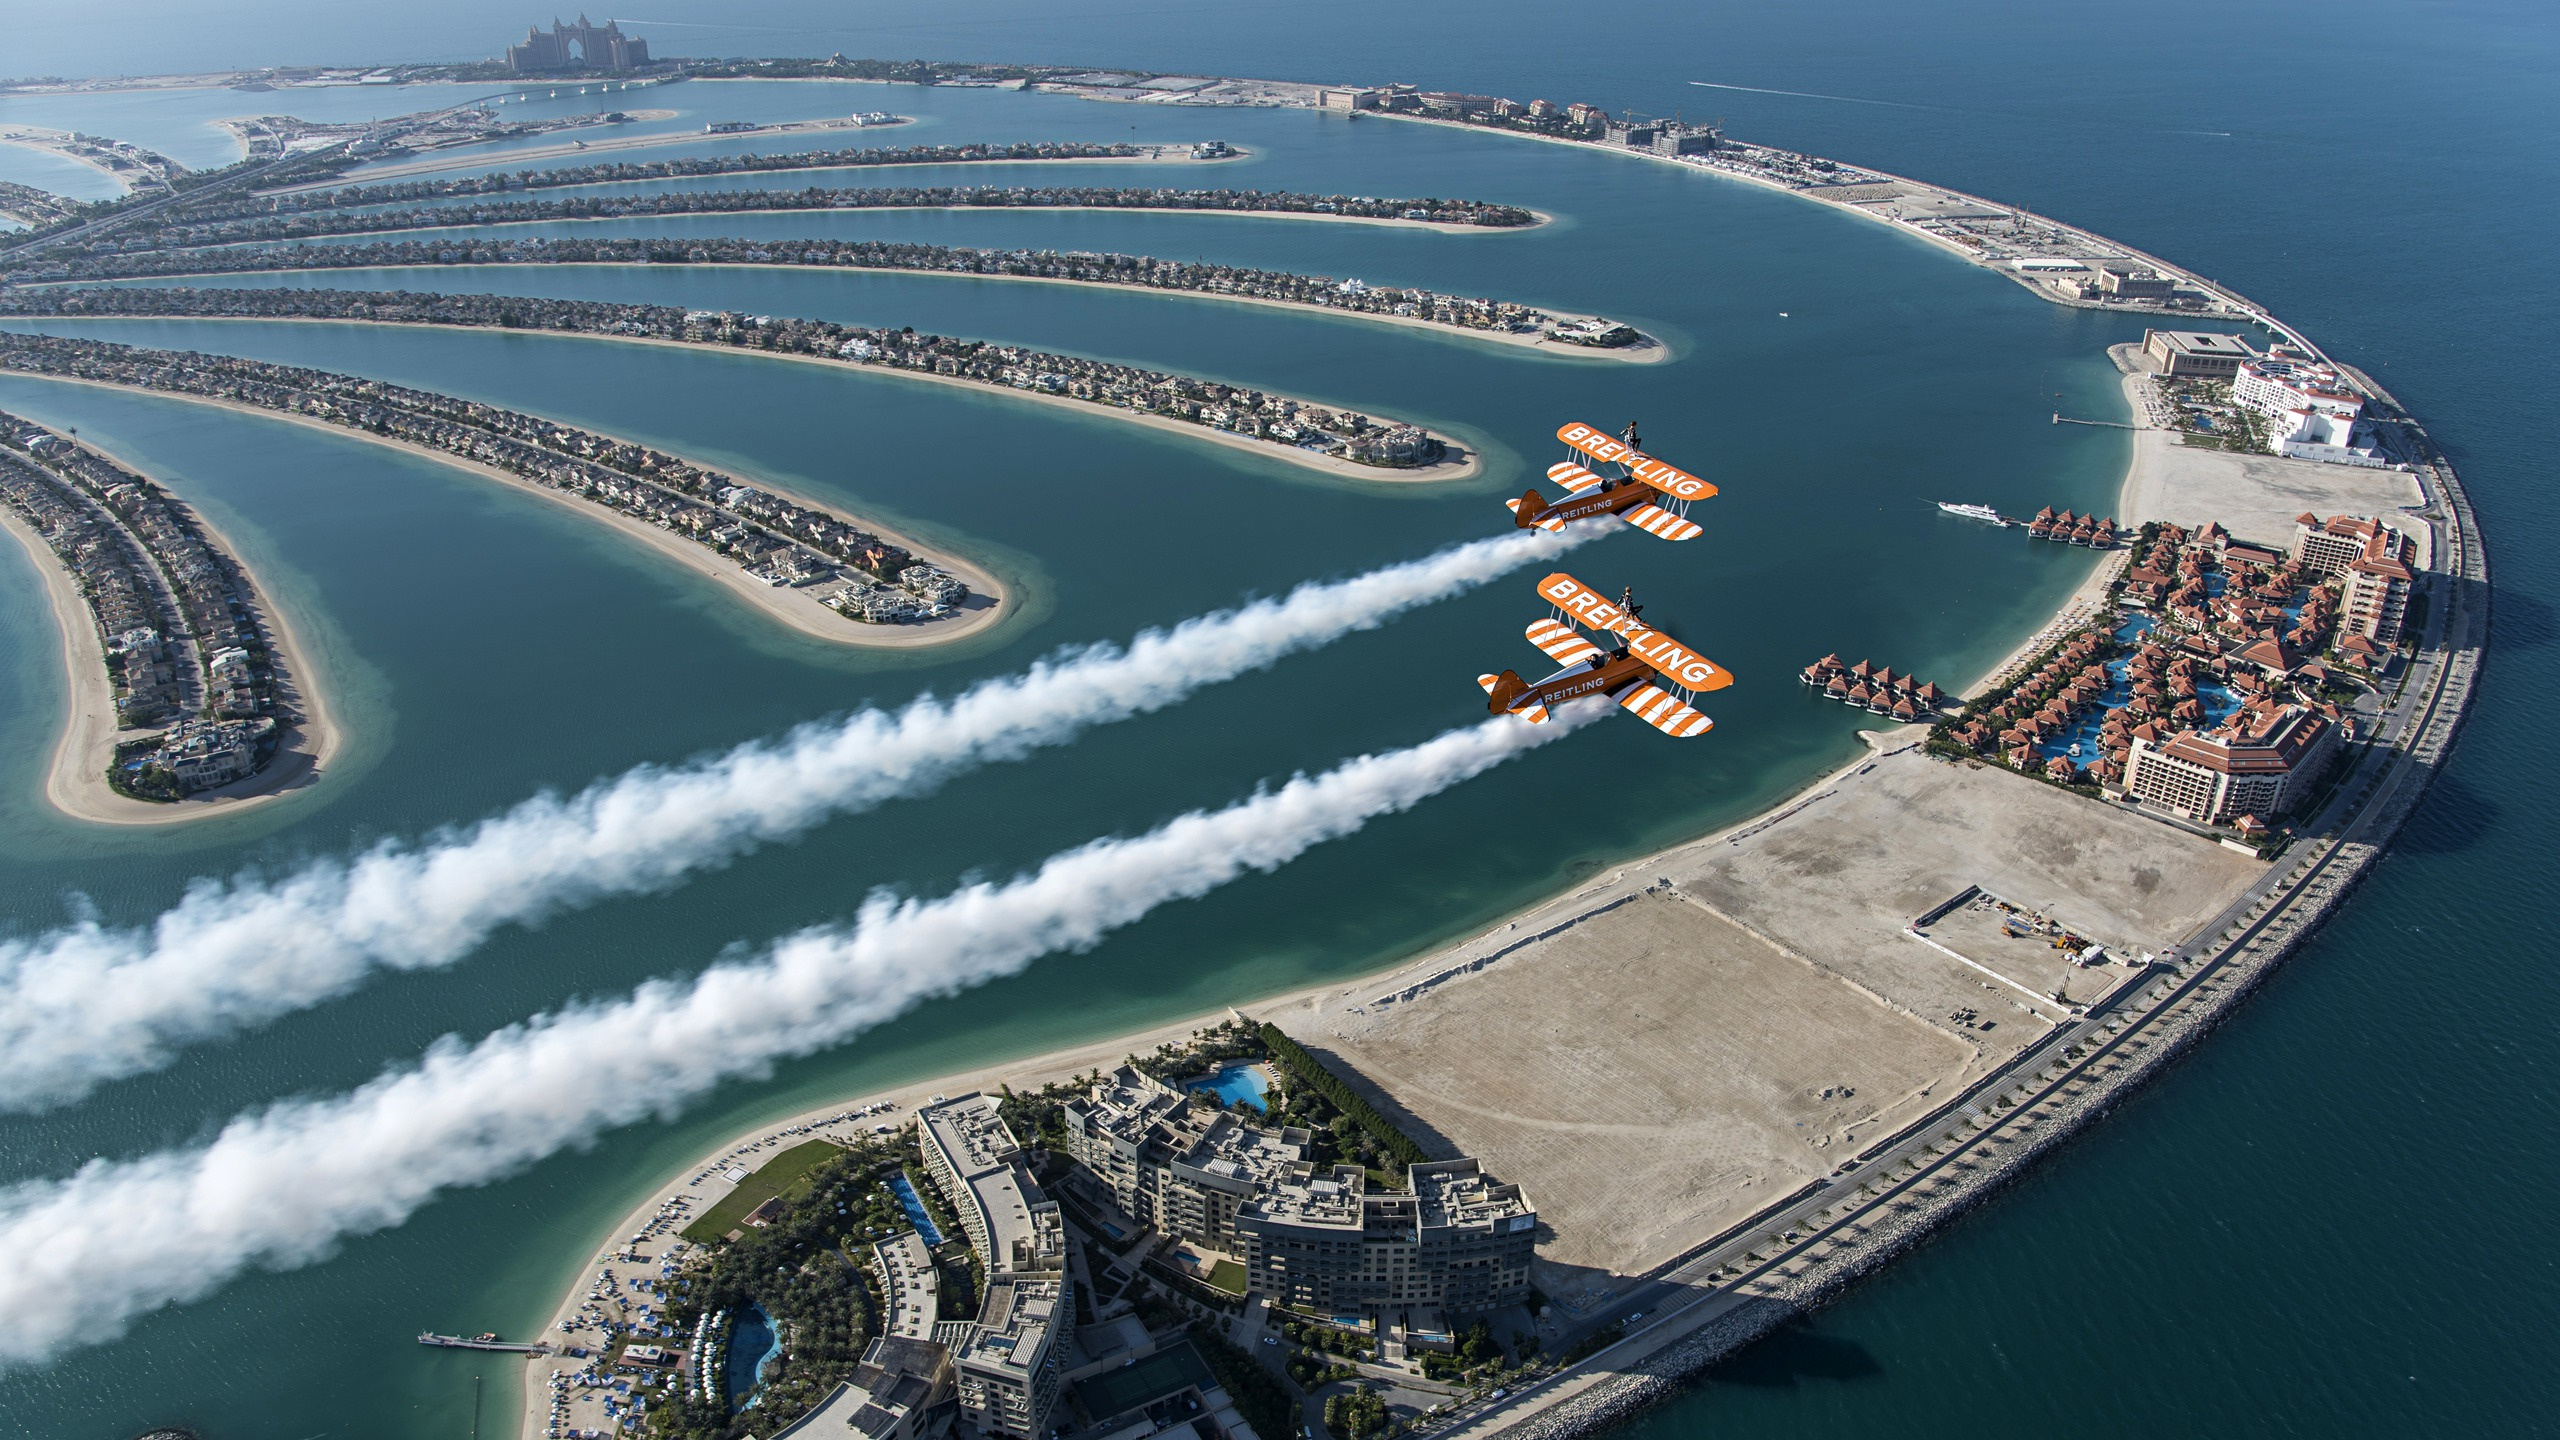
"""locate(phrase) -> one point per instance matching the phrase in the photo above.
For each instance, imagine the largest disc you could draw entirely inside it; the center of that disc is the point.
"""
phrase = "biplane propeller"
(1652, 676)
(1646, 493)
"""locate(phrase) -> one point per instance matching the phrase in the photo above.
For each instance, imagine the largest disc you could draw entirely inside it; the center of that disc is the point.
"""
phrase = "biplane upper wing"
(1563, 644)
(1602, 446)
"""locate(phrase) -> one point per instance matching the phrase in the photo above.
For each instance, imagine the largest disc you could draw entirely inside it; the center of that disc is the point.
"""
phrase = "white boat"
(1975, 512)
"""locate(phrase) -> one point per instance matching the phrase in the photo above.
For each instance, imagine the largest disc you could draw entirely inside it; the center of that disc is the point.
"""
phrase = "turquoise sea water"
(2323, 1223)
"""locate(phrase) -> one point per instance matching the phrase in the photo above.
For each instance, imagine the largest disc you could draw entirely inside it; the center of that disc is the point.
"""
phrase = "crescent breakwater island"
(1831, 1029)
(188, 696)
(1339, 442)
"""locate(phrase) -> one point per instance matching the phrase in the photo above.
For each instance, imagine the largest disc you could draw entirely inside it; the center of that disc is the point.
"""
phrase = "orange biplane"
(1646, 493)
(1650, 675)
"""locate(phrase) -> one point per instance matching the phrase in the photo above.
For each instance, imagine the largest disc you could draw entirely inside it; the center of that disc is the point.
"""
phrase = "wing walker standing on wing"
(1646, 493)
(1651, 676)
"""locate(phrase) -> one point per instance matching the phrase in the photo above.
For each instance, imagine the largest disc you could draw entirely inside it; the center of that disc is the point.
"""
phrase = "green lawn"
(784, 1174)
(1227, 1275)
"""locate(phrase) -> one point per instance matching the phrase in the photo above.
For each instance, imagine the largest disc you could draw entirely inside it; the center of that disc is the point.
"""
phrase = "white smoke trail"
(86, 1004)
(278, 1189)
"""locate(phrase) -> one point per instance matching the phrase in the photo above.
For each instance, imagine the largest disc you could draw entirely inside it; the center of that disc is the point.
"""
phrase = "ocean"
(2319, 1223)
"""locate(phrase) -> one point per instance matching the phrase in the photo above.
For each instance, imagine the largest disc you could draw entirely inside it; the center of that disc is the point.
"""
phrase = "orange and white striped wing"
(1656, 521)
(1563, 644)
(1543, 522)
(1573, 477)
(1665, 712)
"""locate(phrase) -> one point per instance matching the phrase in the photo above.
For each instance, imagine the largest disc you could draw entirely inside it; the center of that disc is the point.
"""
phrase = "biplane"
(1652, 676)
(1647, 493)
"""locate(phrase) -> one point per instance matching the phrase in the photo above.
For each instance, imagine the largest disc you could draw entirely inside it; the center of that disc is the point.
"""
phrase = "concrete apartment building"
(2196, 354)
(2375, 567)
(1180, 1168)
(1456, 1243)
(902, 1390)
(2259, 765)
(1008, 1364)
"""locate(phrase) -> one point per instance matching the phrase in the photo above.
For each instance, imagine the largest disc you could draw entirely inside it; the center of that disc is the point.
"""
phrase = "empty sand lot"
(1656, 1070)
(1651, 1075)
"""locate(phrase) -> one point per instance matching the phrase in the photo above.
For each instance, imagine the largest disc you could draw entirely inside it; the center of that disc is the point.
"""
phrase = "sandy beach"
(792, 607)
(76, 776)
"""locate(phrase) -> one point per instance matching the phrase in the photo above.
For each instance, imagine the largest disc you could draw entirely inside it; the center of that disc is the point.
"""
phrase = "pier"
(2061, 419)
(488, 1341)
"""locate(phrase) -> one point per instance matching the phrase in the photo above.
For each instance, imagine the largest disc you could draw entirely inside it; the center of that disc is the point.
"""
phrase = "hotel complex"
(1007, 1365)
(2257, 766)
(1455, 1243)
(2374, 565)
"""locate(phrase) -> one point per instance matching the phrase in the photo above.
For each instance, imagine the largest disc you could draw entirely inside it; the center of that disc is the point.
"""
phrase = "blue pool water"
(1240, 1081)
(914, 1206)
(2219, 703)
(753, 1344)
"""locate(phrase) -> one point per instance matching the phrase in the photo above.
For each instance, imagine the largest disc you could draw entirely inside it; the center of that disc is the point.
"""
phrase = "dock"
(483, 1342)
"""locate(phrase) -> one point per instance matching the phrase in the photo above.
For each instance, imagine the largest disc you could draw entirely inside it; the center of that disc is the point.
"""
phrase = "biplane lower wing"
(1665, 712)
(1661, 524)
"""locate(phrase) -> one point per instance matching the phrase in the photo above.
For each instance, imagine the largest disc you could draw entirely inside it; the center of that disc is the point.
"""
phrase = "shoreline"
(807, 617)
(1652, 352)
(75, 783)
(1469, 464)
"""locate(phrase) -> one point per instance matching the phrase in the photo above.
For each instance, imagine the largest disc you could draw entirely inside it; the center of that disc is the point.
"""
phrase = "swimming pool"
(1243, 1081)
(914, 1206)
(753, 1344)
